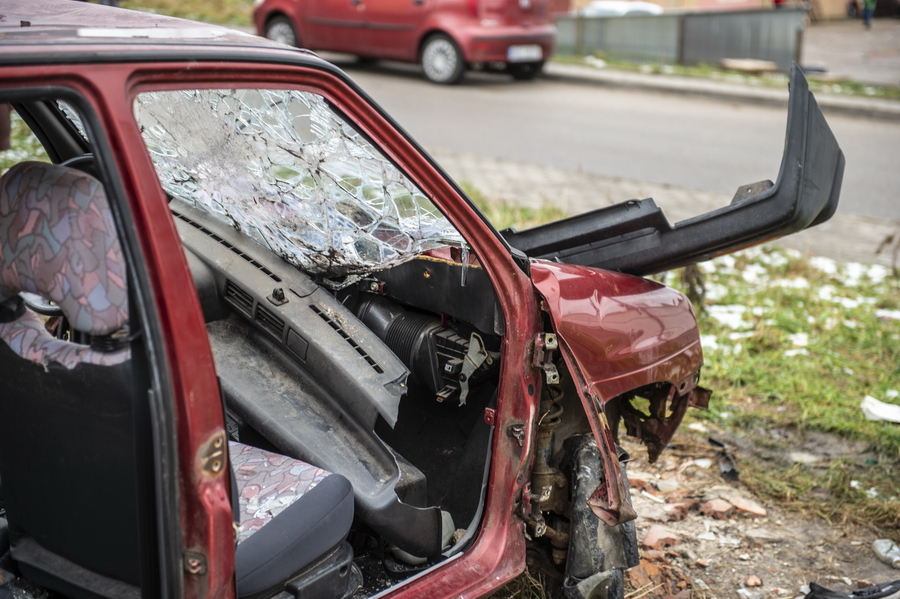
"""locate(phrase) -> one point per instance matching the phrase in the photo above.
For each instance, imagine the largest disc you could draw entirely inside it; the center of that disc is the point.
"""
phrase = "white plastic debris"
(878, 410)
(887, 551)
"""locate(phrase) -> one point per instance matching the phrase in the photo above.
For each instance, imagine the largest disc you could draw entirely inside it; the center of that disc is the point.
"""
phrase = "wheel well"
(428, 34)
(275, 14)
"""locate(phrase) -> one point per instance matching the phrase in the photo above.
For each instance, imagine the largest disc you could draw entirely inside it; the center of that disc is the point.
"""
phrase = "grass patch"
(24, 145)
(795, 344)
(223, 12)
(504, 214)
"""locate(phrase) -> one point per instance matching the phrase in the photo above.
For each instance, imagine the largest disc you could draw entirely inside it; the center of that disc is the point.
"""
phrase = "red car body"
(95, 85)
(486, 33)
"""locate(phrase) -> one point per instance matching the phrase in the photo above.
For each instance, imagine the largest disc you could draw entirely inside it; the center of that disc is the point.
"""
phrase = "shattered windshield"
(285, 169)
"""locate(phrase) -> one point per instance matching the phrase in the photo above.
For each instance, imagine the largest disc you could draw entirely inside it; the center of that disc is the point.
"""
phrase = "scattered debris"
(746, 506)
(748, 65)
(887, 551)
(716, 508)
(726, 460)
(762, 535)
(667, 485)
(878, 410)
(659, 537)
(817, 591)
(713, 537)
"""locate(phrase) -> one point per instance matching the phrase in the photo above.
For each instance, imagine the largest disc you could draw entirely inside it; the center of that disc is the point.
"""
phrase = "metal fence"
(689, 38)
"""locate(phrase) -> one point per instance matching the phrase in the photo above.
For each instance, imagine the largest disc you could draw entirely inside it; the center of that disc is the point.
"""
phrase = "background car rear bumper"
(477, 45)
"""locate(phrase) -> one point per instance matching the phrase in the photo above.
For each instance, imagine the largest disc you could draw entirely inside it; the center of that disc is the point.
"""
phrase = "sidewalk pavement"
(741, 92)
(834, 50)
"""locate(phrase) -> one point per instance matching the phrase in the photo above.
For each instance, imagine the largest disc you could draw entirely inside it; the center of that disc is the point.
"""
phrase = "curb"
(872, 108)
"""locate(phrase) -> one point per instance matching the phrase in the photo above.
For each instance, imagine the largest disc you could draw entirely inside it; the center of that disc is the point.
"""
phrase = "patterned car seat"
(58, 240)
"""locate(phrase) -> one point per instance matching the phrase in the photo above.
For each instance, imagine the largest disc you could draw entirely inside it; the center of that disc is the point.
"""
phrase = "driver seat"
(68, 416)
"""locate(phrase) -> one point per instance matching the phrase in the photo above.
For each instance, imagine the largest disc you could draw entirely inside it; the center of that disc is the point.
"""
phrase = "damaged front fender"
(626, 341)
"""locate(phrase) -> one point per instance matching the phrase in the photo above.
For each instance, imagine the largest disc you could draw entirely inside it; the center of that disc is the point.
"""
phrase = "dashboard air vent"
(238, 298)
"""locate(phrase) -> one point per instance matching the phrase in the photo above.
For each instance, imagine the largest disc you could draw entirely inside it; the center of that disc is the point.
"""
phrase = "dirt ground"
(706, 536)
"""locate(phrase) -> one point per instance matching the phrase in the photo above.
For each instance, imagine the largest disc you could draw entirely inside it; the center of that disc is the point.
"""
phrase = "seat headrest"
(59, 241)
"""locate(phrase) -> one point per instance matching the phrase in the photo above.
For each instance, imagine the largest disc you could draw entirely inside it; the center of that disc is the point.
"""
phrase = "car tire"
(524, 71)
(280, 29)
(442, 60)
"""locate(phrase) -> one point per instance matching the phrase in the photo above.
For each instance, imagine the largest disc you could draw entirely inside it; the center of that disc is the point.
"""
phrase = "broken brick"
(753, 581)
(639, 480)
(659, 537)
(716, 508)
(638, 577)
(678, 511)
(746, 506)
(651, 569)
(653, 555)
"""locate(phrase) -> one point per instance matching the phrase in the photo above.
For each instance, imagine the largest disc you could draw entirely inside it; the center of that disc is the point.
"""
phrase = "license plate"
(528, 53)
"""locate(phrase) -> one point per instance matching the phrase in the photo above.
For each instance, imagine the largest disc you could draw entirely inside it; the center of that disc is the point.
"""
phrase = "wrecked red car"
(255, 343)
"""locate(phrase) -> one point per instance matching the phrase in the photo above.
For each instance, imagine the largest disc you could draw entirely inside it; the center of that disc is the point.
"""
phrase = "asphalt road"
(668, 139)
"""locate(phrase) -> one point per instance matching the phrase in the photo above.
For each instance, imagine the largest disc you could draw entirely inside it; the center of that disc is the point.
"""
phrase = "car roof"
(36, 30)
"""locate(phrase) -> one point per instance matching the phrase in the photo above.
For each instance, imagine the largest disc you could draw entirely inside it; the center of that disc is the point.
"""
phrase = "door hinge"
(544, 346)
(212, 454)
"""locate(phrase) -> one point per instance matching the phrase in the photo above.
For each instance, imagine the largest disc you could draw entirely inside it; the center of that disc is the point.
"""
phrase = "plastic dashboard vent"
(234, 249)
(269, 321)
(239, 298)
(337, 327)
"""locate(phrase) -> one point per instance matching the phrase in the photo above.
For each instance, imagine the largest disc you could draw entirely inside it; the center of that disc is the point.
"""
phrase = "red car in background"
(445, 36)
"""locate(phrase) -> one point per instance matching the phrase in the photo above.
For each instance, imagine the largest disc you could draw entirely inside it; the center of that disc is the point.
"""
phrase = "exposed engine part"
(436, 355)
(545, 476)
(547, 491)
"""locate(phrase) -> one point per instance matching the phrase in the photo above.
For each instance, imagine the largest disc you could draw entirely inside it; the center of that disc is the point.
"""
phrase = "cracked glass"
(285, 169)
